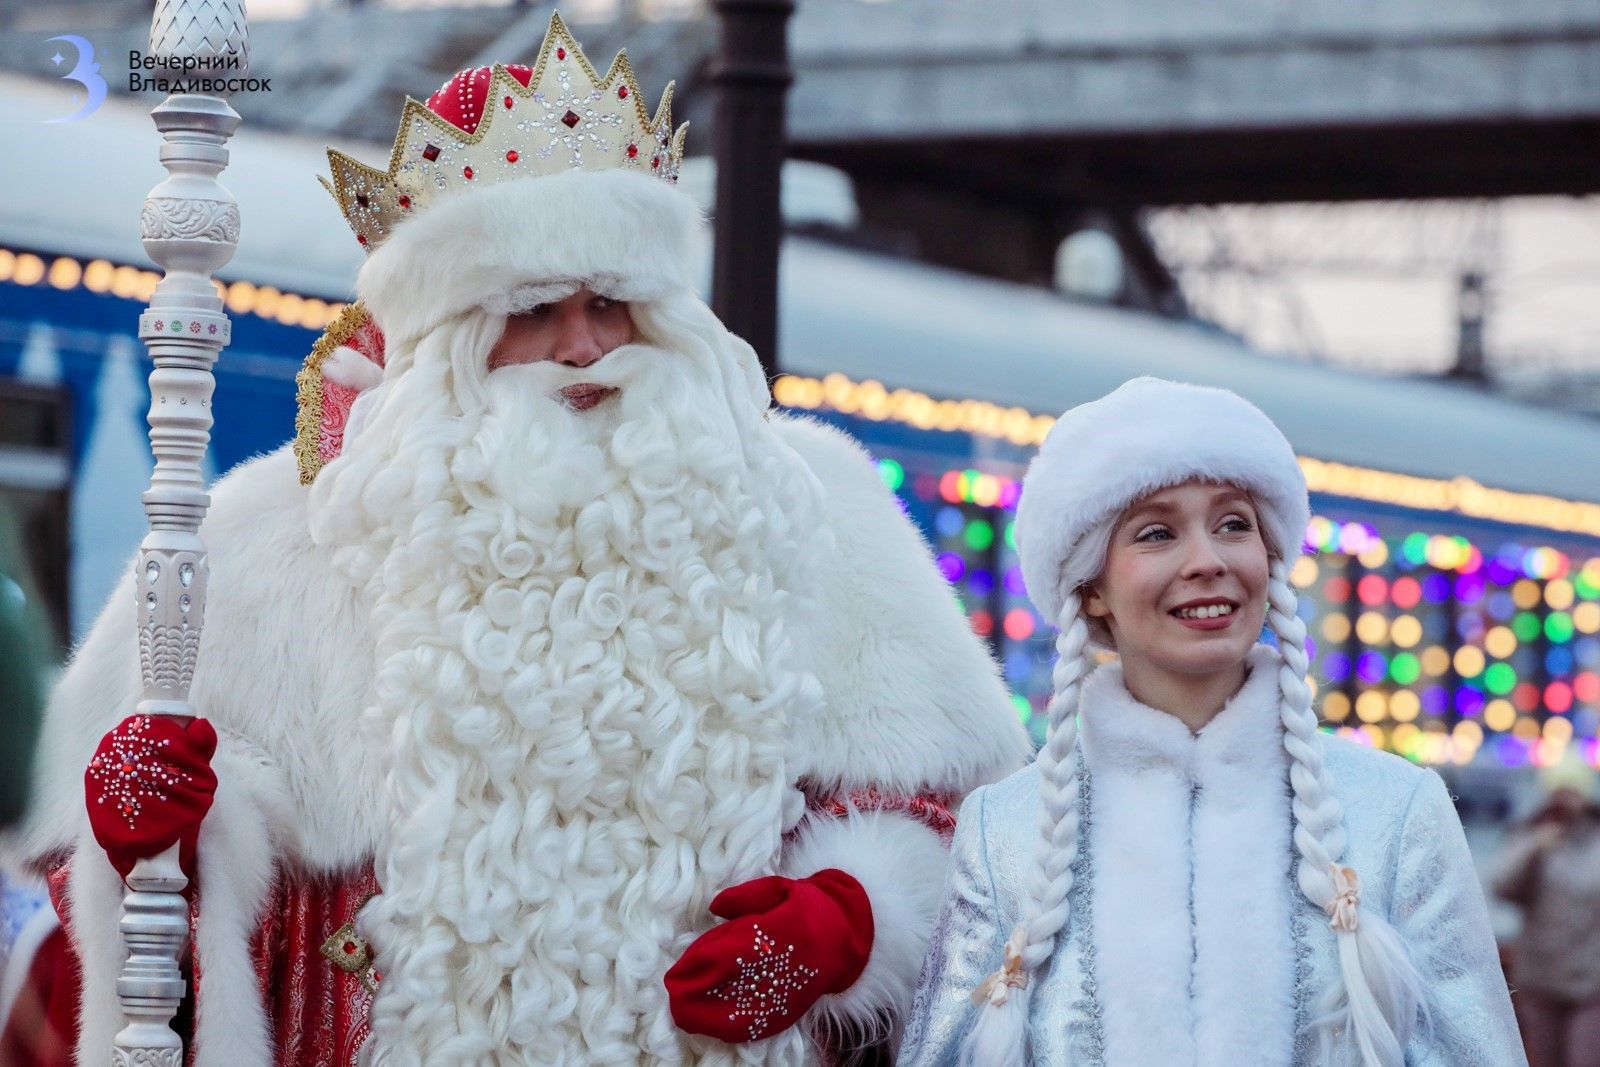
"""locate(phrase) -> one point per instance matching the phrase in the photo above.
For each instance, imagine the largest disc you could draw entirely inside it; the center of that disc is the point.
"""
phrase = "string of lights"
(1432, 645)
(67, 274)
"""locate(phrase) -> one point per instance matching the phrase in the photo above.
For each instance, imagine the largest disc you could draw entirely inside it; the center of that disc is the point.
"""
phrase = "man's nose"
(576, 344)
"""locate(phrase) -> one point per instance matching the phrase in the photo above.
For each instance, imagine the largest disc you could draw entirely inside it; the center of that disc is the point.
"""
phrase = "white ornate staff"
(190, 227)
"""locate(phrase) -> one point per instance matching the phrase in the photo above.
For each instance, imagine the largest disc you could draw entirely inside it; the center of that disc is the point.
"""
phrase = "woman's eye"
(1236, 524)
(1154, 533)
(603, 303)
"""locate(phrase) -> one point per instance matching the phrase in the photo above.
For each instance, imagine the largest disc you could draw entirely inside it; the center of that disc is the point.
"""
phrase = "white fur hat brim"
(627, 235)
(1147, 435)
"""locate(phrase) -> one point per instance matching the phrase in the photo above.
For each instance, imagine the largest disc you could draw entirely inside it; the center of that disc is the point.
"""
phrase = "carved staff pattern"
(190, 226)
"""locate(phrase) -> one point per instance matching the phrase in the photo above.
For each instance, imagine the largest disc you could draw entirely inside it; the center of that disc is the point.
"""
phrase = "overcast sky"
(1377, 284)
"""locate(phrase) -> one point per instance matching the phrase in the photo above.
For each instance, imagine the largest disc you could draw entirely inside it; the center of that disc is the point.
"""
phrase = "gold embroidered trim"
(308, 388)
(350, 952)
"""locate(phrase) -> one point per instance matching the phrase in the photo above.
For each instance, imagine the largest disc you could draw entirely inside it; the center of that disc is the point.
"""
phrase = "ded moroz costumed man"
(637, 710)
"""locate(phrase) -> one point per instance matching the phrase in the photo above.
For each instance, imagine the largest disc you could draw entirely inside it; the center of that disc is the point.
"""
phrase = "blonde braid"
(1381, 991)
(999, 1037)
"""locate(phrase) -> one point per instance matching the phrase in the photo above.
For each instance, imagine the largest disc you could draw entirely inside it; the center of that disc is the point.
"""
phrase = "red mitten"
(788, 942)
(149, 784)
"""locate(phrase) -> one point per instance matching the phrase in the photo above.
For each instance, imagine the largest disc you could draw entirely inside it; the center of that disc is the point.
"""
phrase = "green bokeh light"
(1500, 679)
(980, 535)
(1525, 626)
(1558, 627)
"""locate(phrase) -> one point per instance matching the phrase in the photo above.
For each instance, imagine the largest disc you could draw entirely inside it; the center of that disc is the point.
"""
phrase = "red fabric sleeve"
(43, 1026)
(933, 810)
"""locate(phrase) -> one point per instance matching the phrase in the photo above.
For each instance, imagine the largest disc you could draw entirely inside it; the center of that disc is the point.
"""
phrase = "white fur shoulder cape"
(913, 703)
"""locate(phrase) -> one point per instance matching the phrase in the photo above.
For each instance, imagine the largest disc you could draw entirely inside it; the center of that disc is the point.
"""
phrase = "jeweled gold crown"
(566, 118)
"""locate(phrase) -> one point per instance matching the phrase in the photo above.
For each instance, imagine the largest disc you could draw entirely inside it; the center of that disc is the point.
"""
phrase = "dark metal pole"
(1471, 311)
(752, 77)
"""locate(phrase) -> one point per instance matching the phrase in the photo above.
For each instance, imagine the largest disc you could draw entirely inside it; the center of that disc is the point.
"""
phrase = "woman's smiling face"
(1184, 590)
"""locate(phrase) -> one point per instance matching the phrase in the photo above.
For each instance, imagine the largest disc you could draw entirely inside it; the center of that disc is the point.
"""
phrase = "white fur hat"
(626, 235)
(1146, 435)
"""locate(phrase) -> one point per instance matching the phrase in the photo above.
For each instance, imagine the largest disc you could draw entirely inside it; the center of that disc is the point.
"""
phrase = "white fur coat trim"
(347, 367)
(286, 665)
(913, 700)
(626, 235)
(236, 868)
(900, 863)
(1190, 838)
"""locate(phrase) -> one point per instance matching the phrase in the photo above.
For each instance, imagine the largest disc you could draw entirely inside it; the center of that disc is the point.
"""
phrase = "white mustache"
(617, 369)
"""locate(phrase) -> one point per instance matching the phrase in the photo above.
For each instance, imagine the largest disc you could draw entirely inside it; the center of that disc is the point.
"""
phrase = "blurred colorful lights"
(1558, 626)
(976, 487)
(980, 583)
(951, 566)
(1019, 624)
(1433, 646)
(1404, 669)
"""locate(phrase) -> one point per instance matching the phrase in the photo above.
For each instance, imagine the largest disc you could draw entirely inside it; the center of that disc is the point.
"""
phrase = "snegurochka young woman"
(1191, 873)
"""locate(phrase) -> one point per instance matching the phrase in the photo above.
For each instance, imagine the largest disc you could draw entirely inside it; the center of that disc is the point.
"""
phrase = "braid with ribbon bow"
(1381, 997)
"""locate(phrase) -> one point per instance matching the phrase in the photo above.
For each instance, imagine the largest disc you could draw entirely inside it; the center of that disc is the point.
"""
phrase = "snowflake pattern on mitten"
(765, 981)
(133, 772)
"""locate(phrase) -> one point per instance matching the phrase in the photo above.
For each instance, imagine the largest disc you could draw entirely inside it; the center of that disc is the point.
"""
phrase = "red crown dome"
(460, 100)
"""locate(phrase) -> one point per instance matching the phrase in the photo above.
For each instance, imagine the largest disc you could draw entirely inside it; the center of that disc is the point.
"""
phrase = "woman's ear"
(1094, 605)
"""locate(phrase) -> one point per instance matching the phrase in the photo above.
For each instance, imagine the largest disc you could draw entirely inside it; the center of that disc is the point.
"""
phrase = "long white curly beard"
(584, 689)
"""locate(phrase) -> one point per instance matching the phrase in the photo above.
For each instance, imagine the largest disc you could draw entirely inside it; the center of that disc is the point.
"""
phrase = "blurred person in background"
(23, 653)
(1551, 871)
(26, 923)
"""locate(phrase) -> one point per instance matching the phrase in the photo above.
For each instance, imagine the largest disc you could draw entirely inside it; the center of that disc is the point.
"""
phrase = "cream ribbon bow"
(1342, 909)
(1011, 975)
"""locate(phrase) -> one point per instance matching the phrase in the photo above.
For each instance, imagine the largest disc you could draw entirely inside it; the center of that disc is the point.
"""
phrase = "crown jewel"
(566, 117)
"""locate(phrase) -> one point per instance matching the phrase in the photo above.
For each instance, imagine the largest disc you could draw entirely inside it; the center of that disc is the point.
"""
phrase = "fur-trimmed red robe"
(915, 716)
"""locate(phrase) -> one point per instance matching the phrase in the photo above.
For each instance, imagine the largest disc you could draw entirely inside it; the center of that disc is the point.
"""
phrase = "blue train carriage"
(73, 279)
(1454, 566)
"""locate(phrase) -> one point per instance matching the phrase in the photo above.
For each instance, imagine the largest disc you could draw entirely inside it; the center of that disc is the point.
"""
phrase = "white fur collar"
(1121, 733)
(1190, 839)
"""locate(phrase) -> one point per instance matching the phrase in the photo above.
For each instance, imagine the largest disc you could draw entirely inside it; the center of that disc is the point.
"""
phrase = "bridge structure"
(979, 134)
(1023, 115)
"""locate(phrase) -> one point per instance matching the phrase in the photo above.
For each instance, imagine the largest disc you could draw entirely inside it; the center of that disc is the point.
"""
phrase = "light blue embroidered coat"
(1189, 942)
